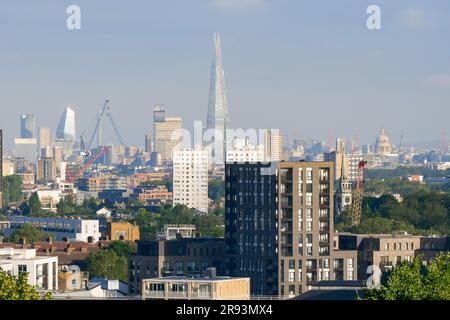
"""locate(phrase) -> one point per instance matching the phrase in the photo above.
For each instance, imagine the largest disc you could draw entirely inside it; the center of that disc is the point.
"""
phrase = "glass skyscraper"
(66, 126)
(27, 126)
(218, 118)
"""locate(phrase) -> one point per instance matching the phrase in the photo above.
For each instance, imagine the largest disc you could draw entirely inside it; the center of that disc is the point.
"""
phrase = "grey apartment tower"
(279, 227)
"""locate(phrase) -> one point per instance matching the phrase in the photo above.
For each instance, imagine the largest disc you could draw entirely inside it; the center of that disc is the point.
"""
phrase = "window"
(74, 282)
(22, 268)
(309, 200)
(204, 290)
(309, 251)
(309, 213)
(291, 264)
(309, 188)
(349, 275)
(309, 174)
(291, 290)
(309, 239)
(291, 276)
(308, 225)
(350, 263)
(300, 219)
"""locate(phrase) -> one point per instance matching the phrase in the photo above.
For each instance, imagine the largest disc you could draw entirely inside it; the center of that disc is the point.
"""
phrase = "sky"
(309, 68)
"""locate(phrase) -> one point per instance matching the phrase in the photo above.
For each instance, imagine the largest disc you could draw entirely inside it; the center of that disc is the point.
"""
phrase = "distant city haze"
(310, 68)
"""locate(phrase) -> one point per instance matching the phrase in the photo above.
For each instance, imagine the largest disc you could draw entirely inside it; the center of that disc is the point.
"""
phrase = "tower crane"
(400, 144)
(358, 195)
(71, 178)
(105, 111)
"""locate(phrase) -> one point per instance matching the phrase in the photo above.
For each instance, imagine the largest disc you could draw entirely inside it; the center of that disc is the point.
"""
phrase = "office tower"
(26, 149)
(148, 143)
(1, 169)
(190, 179)
(46, 170)
(218, 117)
(27, 126)
(66, 126)
(46, 152)
(45, 140)
(279, 227)
(58, 155)
(166, 133)
(243, 151)
(273, 144)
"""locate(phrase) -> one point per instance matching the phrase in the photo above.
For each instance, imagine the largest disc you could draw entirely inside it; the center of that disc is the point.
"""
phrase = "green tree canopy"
(12, 189)
(122, 248)
(17, 288)
(29, 232)
(216, 190)
(413, 281)
(107, 264)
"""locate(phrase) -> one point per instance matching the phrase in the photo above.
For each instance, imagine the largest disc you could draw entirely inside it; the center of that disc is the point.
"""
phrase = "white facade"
(42, 271)
(66, 126)
(244, 152)
(26, 148)
(273, 143)
(72, 229)
(190, 179)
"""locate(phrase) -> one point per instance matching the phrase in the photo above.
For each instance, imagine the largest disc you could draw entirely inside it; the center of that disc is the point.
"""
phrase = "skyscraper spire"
(218, 117)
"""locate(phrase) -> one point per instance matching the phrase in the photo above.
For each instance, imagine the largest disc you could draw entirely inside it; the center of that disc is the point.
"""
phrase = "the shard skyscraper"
(218, 117)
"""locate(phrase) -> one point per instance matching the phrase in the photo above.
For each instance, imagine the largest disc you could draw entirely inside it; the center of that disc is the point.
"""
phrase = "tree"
(12, 189)
(17, 288)
(413, 281)
(216, 190)
(29, 232)
(34, 205)
(121, 248)
(107, 264)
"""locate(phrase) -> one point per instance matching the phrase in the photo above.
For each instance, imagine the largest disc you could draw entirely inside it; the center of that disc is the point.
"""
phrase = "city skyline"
(276, 65)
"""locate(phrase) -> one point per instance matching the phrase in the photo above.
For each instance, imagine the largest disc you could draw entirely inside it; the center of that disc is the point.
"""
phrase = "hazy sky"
(307, 67)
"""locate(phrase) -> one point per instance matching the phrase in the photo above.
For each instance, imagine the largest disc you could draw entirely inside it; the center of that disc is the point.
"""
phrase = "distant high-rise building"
(58, 155)
(45, 140)
(218, 117)
(242, 151)
(66, 127)
(27, 126)
(190, 179)
(273, 144)
(148, 143)
(26, 149)
(46, 170)
(166, 133)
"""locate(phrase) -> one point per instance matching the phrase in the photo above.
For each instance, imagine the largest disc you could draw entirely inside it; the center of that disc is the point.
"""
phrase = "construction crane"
(89, 164)
(97, 131)
(400, 144)
(358, 194)
(82, 143)
(355, 141)
(444, 142)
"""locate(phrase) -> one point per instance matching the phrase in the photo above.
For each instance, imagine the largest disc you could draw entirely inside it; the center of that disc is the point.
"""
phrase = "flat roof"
(190, 279)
